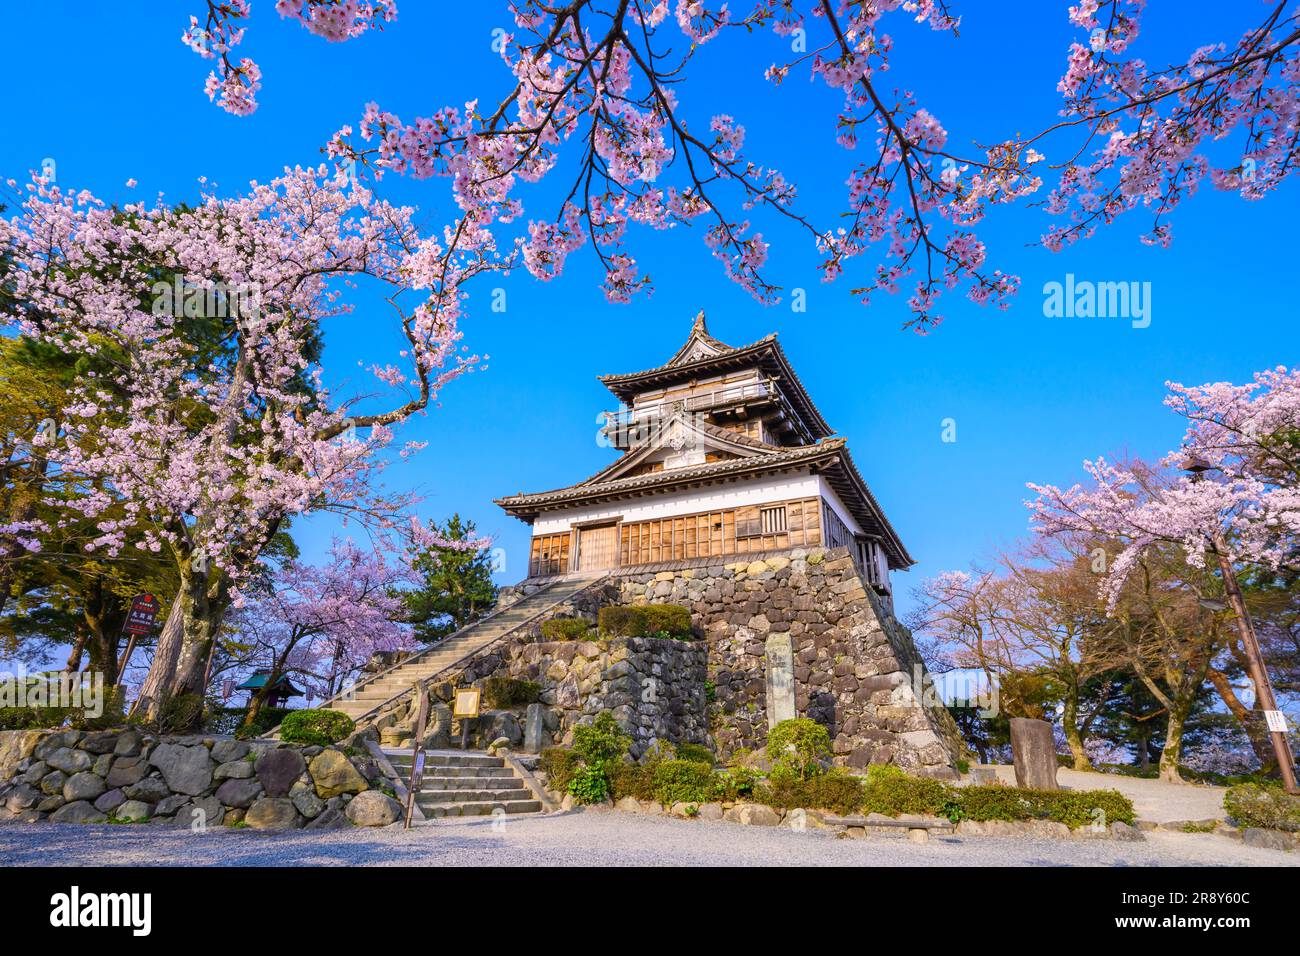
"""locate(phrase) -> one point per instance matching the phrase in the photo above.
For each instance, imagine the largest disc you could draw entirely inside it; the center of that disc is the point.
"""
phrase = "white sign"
(1276, 721)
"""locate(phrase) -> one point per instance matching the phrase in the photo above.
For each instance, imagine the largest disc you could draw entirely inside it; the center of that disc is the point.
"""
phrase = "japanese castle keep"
(733, 497)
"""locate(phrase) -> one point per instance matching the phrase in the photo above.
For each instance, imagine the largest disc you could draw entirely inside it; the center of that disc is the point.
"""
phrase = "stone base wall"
(655, 687)
(193, 781)
(855, 667)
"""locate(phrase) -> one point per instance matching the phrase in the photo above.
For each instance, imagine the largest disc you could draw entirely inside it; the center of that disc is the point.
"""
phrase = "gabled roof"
(678, 430)
(829, 458)
(703, 356)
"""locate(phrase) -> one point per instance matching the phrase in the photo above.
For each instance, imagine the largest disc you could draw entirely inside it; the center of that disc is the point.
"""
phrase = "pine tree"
(455, 584)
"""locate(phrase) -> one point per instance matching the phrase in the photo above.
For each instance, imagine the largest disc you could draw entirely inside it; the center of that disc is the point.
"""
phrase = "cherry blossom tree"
(204, 325)
(320, 623)
(1243, 503)
(599, 79)
(1238, 504)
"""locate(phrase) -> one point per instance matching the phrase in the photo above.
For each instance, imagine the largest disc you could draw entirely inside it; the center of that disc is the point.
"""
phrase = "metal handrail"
(478, 650)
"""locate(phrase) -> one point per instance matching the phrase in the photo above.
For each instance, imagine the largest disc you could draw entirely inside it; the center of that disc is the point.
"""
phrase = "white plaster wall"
(826, 491)
(754, 492)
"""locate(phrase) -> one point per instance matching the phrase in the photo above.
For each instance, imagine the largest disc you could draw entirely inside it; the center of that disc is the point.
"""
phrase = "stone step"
(478, 809)
(443, 784)
(458, 773)
(433, 758)
(429, 797)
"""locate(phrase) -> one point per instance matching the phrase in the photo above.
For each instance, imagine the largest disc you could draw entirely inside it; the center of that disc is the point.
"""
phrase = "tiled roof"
(669, 476)
(766, 349)
(831, 456)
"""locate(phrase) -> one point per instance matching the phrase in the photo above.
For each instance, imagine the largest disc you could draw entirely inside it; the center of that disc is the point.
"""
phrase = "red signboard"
(139, 620)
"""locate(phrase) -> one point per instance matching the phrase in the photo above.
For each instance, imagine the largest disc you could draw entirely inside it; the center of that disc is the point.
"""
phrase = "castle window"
(773, 520)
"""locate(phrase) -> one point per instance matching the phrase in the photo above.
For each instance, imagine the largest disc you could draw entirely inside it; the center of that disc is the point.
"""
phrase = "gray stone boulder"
(100, 742)
(53, 782)
(167, 806)
(126, 771)
(35, 773)
(111, 800)
(333, 774)
(233, 770)
(82, 811)
(278, 770)
(83, 786)
(753, 814)
(22, 797)
(239, 792)
(224, 751)
(305, 799)
(187, 770)
(1268, 839)
(150, 790)
(331, 818)
(374, 809)
(69, 760)
(128, 744)
(272, 813)
(132, 810)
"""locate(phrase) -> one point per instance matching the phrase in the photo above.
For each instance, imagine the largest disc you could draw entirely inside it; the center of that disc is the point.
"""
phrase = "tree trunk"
(78, 647)
(1173, 748)
(1073, 736)
(1256, 732)
(157, 682)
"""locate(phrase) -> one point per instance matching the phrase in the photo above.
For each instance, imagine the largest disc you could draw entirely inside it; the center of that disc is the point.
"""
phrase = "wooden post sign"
(139, 621)
(417, 750)
(465, 705)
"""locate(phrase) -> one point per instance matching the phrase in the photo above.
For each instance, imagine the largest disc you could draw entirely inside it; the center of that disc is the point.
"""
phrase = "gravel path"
(594, 838)
(1152, 799)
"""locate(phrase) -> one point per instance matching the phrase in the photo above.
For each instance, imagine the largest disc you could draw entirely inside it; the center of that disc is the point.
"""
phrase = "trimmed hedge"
(566, 629)
(315, 727)
(890, 791)
(685, 781)
(507, 692)
(647, 620)
(1263, 805)
(1074, 808)
(836, 791)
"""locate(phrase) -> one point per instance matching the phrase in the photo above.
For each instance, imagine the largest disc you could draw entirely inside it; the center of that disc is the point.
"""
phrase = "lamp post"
(1264, 699)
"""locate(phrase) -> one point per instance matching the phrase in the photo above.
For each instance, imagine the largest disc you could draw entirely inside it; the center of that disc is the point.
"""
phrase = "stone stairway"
(466, 784)
(372, 692)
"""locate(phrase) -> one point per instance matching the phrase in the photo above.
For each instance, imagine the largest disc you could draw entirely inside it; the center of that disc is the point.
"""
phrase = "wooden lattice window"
(773, 520)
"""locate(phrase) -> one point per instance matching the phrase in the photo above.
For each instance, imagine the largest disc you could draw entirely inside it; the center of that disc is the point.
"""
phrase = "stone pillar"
(1033, 749)
(534, 728)
(780, 679)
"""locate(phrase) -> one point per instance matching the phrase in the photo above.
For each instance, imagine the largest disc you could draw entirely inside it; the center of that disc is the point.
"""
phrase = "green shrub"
(647, 620)
(631, 780)
(696, 752)
(1261, 805)
(33, 718)
(601, 741)
(837, 790)
(890, 791)
(669, 620)
(737, 782)
(566, 629)
(560, 765)
(619, 620)
(507, 692)
(1074, 808)
(230, 720)
(589, 785)
(315, 727)
(796, 747)
(684, 781)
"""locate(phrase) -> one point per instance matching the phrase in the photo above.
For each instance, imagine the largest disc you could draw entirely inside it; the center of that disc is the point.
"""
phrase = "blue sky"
(109, 93)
